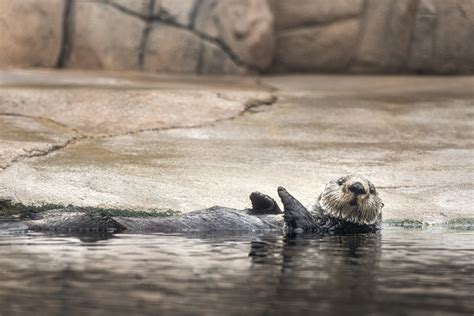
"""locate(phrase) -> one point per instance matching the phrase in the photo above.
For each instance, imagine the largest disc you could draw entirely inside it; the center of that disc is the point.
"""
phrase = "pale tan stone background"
(240, 36)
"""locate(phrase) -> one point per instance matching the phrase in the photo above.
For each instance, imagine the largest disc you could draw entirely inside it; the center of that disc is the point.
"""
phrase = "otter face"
(353, 199)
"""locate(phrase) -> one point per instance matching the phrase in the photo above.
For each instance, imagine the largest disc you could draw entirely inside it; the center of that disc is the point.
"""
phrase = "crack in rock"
(41, 152)
(249, 104)
(145, 36)
(66, 40)
(37, 152)
(194, 13)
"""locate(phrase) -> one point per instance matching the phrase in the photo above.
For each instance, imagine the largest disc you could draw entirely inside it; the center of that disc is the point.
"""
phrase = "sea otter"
(350, 204)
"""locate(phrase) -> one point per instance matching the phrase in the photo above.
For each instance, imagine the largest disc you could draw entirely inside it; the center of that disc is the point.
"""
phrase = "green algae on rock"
(19, 210)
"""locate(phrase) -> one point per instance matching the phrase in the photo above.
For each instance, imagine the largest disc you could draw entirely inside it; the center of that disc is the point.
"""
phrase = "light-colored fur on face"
(337, 201)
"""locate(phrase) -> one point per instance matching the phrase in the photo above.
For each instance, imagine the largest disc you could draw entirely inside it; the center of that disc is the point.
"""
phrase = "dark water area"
(399, 272)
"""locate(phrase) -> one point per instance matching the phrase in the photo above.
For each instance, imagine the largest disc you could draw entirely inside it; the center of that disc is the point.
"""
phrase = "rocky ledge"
(145, 143)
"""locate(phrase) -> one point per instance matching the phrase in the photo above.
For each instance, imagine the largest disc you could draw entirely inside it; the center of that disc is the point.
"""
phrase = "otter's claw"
(263, 204)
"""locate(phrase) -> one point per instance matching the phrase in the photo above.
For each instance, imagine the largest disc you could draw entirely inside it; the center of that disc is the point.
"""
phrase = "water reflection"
(326, 275)
(397, 272)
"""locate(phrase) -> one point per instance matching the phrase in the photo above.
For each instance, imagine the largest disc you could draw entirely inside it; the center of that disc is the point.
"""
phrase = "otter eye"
(341, 181)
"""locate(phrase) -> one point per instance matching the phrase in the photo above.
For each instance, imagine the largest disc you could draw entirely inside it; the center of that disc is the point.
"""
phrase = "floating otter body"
(348, 205)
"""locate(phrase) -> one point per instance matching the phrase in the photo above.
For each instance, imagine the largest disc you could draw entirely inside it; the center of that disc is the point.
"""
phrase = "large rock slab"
(213, 60)
(385, 39)
(104, 37)
(140, 7)
(23, 137)
(412, 136)
(327, 48)
(172, 37)
(190, 54)
(422, 48)
(442, 37)
(30, 32)
(422, 36)
(315, 36)
(116, 109)
(428, 36)
(172, 50)
(244, 26)
(304, 13)
(179, 11)
(99, 112)
(454, 47)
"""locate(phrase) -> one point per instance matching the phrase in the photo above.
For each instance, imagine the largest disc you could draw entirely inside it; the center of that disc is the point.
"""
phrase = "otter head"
(353, 199)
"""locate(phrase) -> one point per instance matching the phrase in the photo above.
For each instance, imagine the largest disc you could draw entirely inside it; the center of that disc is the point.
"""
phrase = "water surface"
(399, 272)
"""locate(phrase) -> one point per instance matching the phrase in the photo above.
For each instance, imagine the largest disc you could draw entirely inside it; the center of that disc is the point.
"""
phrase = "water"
(400, 272)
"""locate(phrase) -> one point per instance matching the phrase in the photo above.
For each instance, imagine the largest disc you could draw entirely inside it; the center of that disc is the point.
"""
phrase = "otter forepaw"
(297, 218)
(263, 204)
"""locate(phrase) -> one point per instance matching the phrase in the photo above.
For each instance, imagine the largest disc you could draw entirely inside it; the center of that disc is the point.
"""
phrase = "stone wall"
(387, 36)
(240, 36)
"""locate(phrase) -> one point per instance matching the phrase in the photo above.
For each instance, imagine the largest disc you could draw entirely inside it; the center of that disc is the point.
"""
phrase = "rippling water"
(399, 272)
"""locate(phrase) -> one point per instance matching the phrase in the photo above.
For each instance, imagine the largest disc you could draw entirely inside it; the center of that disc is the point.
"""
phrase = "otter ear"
(297, 218)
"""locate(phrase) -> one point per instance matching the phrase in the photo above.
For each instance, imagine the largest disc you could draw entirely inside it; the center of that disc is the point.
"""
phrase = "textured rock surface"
(24, 137)
(30, 32)
(302, 13)
(213, 60)
(422, 51)
(179, 56)
(166, 54)
(324, 48)
(412, 136)
(385, 38)
(104, 37)
(421, 36)
(179, 11)
(245, 26)
(124, 111)
(174, 37)
(140, 7)
(454, 47)
(120, 110)
(238, 36)
(394, 36)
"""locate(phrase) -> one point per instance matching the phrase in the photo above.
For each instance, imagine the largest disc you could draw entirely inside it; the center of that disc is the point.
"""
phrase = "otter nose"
(357, 188)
